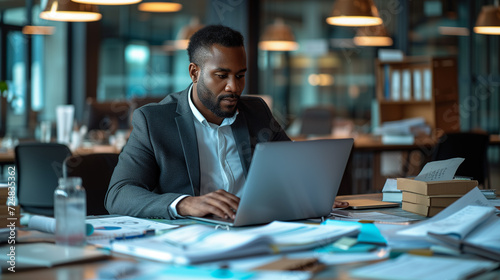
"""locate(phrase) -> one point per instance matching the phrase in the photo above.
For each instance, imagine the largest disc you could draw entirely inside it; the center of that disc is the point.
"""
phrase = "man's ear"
(194, 72)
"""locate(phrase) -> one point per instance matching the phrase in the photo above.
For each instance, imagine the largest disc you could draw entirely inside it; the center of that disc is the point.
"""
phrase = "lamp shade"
(182, 40)
(158, 6)
(66, 10)
(107, 2)
(372, 36)
(354, 13)
(488, 21)
(278, 37)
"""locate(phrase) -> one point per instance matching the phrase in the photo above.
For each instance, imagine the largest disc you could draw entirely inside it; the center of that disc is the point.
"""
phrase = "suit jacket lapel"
(187, 135)
(242, 138)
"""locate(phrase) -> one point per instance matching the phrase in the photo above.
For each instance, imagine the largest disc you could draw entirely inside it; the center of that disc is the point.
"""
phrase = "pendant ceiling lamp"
(182, 41)
(108, 2)
(488, 21)
(372, 36)
(67, 10)
(354, 13)
(157, 6)
(278, 37)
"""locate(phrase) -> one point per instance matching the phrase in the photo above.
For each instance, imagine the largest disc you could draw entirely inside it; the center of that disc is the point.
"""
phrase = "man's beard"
(206, 97)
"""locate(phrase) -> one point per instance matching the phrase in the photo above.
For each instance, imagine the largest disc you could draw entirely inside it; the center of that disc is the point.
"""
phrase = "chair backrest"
(107, 116)
(39, 167)
(471, 146)
(317, 120)
(95, 171)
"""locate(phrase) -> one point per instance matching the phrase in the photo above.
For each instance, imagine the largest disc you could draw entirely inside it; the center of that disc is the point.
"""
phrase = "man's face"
(219, 83)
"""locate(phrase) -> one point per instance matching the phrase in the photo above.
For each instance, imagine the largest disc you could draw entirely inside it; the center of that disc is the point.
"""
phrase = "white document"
(391, 185)
(47, 255)
(392, 233)
(200, 243)
(429, 268)
(377, 217)
(459, 224)
(123, 226)
(440, 170)
(472, 198)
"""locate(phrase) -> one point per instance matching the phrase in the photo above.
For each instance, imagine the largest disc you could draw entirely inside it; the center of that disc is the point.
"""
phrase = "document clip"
(307, 264)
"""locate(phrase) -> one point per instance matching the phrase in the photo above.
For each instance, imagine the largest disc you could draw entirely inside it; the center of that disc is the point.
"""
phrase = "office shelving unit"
(419, 87)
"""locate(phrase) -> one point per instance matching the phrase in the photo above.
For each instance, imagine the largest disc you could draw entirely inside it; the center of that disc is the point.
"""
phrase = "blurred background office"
(130, 54)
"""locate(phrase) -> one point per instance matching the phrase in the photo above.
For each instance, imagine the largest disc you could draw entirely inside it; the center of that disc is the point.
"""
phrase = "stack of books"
(429, 198)
(489, 193)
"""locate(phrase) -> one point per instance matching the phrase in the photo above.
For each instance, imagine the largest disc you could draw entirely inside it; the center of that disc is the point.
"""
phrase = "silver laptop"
(290, 181)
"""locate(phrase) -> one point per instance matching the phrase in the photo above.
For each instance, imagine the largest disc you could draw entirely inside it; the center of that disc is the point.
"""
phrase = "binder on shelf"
(387, 92)
(427, 84)
(395, 85)
(406, 85)
(417, 84)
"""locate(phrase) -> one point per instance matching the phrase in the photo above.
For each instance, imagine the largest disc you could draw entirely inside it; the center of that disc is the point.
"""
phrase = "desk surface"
(89, 270)
(8, 157)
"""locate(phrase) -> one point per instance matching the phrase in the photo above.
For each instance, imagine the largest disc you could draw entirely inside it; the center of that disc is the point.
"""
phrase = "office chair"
(107, 116)
(95, 171)
(317, 120)
(39, 167)
(471, 146)
(138, 102)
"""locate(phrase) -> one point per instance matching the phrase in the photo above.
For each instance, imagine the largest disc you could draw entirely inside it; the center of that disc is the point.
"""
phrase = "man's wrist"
(173, 206)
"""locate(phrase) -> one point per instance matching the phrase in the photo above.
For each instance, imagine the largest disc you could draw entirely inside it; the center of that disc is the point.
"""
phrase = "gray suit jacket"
(160, 160)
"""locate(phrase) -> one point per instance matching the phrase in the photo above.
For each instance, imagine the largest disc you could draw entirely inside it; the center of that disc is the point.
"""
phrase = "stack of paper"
(390, 192)
(402, 132)
(109, 229)
(200, 243)
(429, 268)
(468, 225)
(433, 189)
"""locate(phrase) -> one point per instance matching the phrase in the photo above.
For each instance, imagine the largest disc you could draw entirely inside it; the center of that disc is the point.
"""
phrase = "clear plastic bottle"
(70, 209)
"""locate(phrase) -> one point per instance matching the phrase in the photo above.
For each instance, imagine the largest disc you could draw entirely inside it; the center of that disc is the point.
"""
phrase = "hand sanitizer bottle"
(70, 210)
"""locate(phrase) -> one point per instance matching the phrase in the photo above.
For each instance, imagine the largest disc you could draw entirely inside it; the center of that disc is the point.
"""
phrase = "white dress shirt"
(220, 163)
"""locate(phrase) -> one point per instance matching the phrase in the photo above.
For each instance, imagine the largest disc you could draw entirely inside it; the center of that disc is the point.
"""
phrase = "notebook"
(369, 204)
(290, 181)
(46, 255)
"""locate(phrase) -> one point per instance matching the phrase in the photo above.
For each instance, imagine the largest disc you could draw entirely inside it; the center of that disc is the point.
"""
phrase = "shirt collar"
(200, 118)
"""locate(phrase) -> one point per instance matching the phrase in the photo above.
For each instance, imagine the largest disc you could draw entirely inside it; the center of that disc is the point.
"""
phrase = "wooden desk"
(89, 270)
(8, 157)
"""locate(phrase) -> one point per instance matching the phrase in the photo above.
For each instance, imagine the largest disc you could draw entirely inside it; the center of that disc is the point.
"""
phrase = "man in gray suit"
(189, 154)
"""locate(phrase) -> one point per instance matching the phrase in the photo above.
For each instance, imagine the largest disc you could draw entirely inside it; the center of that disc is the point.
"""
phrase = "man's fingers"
(219, 203)
(340, 204)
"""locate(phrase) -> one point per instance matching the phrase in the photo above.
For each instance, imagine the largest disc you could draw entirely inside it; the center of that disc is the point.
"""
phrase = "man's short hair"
(205, 38)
